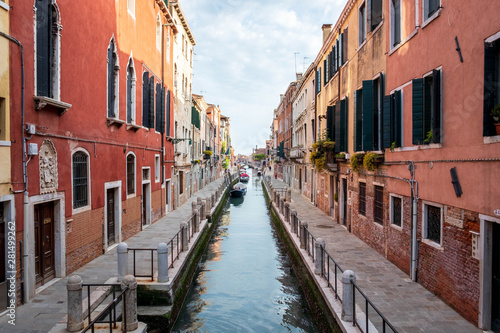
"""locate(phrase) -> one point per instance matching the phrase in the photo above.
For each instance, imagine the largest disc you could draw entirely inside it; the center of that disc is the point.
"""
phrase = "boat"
(244, 178)
(238, 190)
(259, 173)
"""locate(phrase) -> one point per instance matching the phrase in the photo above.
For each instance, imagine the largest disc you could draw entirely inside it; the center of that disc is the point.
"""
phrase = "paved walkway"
(49, 306)
(406, 304)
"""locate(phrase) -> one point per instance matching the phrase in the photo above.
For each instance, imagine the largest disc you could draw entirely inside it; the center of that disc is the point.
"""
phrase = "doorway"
(332, 196)
(495, 282)
(110, 196)
(343, 208)
(300, 180)
(44, 243)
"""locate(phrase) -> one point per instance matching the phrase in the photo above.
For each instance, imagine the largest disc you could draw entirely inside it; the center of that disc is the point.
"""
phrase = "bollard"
(162, 262)
(347, 295)
(203, 214)
(287, 210)
(184, 237)
(289, 195)
(193, 206)
(282, 206)
(122, 252)
(75, 311)
(198, 202)
(320, 245)
(207, 206)
(130, 306)
(303, 235)
(196, 221)
(213, 200)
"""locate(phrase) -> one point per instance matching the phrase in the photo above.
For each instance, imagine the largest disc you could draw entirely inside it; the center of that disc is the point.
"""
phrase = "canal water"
(244, 282)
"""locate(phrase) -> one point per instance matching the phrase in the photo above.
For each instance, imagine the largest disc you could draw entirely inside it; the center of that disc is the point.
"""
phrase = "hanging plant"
(355, 162)
(207, 152)
(320, 149)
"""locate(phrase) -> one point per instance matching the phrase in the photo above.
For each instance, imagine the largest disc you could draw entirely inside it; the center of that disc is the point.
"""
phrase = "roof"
(175, 4)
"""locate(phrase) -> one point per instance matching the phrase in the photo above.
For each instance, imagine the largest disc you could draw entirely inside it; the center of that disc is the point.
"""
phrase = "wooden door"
(144, 216)
(3, 259)
(344, 201)
(110, 195)
(44, 243)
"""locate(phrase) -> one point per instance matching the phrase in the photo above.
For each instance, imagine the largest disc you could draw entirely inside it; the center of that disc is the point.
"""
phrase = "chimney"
(326, 31)
(299, 76)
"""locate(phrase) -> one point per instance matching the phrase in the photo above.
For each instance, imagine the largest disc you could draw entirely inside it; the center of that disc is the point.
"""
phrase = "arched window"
(80, 174)
(131, 101)
(130, 174)
(48, 46)
(113, 71)
(158, 32)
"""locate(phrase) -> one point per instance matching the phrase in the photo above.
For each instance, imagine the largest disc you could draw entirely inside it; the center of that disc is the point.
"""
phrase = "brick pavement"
(406, 304)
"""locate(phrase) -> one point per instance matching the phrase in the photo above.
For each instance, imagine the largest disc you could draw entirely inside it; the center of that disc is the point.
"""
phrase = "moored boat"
(244, 177)
(238, 190)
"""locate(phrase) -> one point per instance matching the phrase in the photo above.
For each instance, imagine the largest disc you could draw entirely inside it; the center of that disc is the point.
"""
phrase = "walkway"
(406, 304)
(49, 306)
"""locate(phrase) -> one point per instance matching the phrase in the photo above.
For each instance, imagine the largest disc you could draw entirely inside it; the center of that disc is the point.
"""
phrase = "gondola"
(238, 190)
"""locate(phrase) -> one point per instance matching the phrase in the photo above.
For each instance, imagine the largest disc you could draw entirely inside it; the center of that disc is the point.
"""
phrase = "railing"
(109, 311)
(134, 250)
(310, 243)
(326, 273)
(379, 323)
(172, 245)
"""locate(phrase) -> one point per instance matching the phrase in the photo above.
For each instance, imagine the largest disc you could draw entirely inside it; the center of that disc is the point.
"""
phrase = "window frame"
(362, 199)
(426, 16)
(489, 102)
(425, 236)
(376, 218)
(132, 91)
(392, 12)
(131, 7)
(116, 81)
(89, 199)
(362, 23)
(393, 196)
(131, 194)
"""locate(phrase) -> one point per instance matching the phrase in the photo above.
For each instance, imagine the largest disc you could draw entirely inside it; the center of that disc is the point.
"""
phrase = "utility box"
(32, 149)
(31, 129)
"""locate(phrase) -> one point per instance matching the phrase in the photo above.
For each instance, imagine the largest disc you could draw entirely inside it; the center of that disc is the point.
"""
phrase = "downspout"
(337, 178)
(162, 174)
(24, 276)
(414, 241)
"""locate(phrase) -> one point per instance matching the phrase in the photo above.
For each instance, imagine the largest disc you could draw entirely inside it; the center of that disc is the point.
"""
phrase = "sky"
(245, 56)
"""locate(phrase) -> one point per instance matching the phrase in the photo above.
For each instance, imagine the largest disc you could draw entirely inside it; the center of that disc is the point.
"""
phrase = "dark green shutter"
(158, 108)
(44, 47)
(168, 113)
(151, 102)
(436, 106)
(129, 95)
(418, 111)
(145, 99)
(330, 118)
(162, 107)
(367, 115)
(427, 104)
(337, 126)
(387, 121)
(341, 49)
(111, 81)
(398, 118)
(345, 43)
(358, 126)
(325, 73)
(344, 107)
(490, 86)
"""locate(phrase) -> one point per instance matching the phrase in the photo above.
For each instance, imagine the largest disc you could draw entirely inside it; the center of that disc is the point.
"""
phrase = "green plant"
(369, 161)
(207, 152)
(336, 197)
(428, 137)
(259, 157)
(495, 113)
(320, 148)
(393, 145)
(355, 165)
(340, 156)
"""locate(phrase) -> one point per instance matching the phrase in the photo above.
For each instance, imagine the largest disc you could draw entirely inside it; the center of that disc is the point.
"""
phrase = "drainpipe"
(414, 241)
(25, 173)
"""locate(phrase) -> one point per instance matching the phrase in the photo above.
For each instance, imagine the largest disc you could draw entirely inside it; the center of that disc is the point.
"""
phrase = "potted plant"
(207, 154)
(371, 161)
(340, 157)
(321, 148)
(495, 114)
(356, 161)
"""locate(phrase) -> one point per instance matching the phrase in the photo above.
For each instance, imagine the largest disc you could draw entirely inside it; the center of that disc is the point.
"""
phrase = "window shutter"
(418, 111)
(436, 107)
(387, 122)
(325, 73)
(330, 118)
(398, 118)
(158, 108)
(337, 128)
(145, 99)
(367, 115)
(129, 95)
(151, 102)
(358, 126)
(43, 47)
(111, 80)
(490, 82)
(168, 113)
(345, 43)
(427, 104)
(337, 52)
(343, 125)
(162, 111)
(341, 50)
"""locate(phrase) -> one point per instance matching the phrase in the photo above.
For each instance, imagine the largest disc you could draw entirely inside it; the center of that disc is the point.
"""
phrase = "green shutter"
(358, 126)
(145, 99)
(342, 142)
(427, 104)
(398, 117)
(329, 121)
(418, 111)
(151, 102)
(168, 113)
(162, 126)
(436, 106)
(367, 115)
(387, 122)
(337, 127)
(345, 44)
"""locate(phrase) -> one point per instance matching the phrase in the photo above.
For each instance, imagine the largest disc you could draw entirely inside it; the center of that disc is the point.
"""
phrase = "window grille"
(80, 180)
(130, 174)
(378, 207)
(362, 198)
(396, 211)
(433, 223)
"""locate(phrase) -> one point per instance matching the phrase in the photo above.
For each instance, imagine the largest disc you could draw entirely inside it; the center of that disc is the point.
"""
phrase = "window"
(160, 108)
(318, 80)
(392, 118)
(148, 101)
(396, 210)
(362, 198)
(157, 168)
(395, 22)
(432, 223)
(80, 179)
(131, 7)
(48, 28)
(158, 33)
(167, 113)
(378, 205)
(183, 44)
(131, 91)
(3, 121)
(375, 14)
(427, 109)
(431, 7)
(362, 23)
(181, 182)
(491, 84)
(113, 90)
(130, 174)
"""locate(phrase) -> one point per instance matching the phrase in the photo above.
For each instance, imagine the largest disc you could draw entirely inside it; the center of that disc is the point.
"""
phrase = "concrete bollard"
(207, 206)
(320, 245)
(184, 237)
(203, 213)
(287, 212)
(282, 206)
(162, 262)
(198, 202)
(196, 221)
(294, 221)
(289, 195)
(122, 252)
(213, 200)
(303, 235)
(130, 305)
(75, 310)
(193, 206)
(347, 295)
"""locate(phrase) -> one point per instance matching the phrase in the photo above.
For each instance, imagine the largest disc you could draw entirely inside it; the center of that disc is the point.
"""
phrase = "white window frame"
(135, 175)
(133, 85)
(425, 238)
(391, 210)
(89, 199)
(157, 168)
(425, 11)
(116, 78)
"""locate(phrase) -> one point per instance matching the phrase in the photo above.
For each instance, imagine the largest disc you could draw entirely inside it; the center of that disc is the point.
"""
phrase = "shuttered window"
(358, 119)
(491, 85)
(368, 112)
(362, 198)
(318, 81)
(159, 110)
(325, 73)
(426, 108)
(362, 23)
(378, 205)
(392, 120)
(130, 174)
(330, 121)
(44, 47)
(151, 102)
(395, 22)
(111, 80)
(145, 99)
(80, 179)
(130, 93)
(341, 141)
(375, 13)
(345, 44)
(168, 121)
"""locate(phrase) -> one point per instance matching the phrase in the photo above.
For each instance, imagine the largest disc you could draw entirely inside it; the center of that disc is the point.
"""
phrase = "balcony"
(296, 153)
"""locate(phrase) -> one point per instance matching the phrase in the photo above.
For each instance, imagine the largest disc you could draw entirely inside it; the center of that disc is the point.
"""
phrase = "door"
(3, 259)
(144, 216)
(344, 201)
(300, 181)
(332, 196)
(110, 195)
(495, 270)
(44, 243)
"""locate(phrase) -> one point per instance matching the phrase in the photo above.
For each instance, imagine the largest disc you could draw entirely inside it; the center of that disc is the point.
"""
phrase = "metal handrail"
(335, 268)
(111, 308)
(170, 245)
(134, 250)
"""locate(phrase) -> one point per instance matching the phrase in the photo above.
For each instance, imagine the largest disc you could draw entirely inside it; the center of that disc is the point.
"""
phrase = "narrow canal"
(244, 282)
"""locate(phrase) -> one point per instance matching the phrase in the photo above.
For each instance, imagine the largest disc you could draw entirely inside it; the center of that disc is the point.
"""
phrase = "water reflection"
(245, 281)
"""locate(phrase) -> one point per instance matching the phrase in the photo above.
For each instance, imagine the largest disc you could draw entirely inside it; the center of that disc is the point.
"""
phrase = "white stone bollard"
(294, 221)
(162, 262)
(193, 206)
(184, 237)
(198, 202)
(208, 206)
(289, 195)
(347, 295)
(320, 245)
(130, 306)
(287, 212)
(303, 235)
(75, 311)
(122, 252)
(196, 221)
